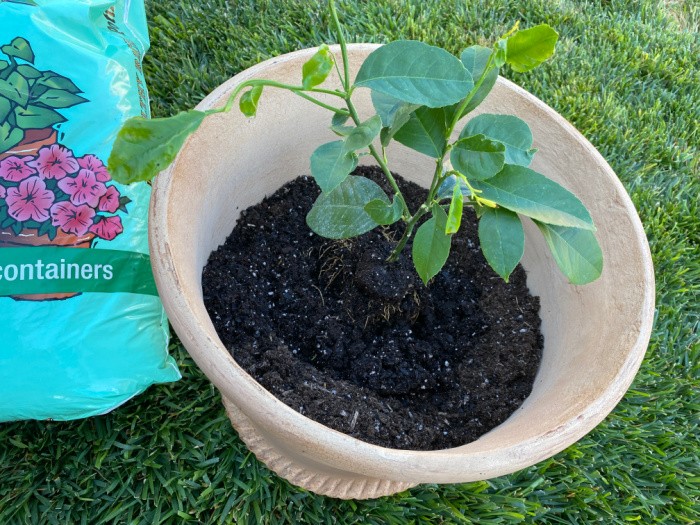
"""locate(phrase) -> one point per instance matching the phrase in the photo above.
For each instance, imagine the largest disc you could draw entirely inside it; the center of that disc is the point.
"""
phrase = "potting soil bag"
(81, 327)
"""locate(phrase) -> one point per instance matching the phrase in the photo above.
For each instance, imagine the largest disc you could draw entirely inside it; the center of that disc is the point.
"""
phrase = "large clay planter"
(595, 336)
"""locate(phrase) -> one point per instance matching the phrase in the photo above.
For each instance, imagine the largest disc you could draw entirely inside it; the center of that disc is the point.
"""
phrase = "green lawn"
(627, 76)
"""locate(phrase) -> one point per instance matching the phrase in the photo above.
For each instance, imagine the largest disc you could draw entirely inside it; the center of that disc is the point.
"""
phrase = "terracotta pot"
(34, 140)
(595, 336)
(27, 238)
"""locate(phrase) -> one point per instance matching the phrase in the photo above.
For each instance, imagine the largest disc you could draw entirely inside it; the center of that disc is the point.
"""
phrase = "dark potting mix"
(361, 345)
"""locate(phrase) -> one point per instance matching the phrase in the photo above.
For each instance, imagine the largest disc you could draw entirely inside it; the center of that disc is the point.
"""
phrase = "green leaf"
(17, 227)
(15, 88)
(508, 129)
(424, 131)
(249, 101)
(5, 109)
(59, 98)
(331, 164)
(37, 117)
(454, 216)
(340, 214)
(145, 147)
(10, 136)
(44, 228)
(525, 191)
(527, 49)
(502, 239)
(575, 251)
(9, 221)
(317, 68)
(501, 49)
(391, 109)
(478, 157)
(28, 72)
(363, 135)
(54, 81)
(384, 213)
(338, 125)
(431, 245)
(416, 73)
(475, 59)
(19, 48)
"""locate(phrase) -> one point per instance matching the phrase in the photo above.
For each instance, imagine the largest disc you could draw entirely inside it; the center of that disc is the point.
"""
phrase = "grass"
(626, 75)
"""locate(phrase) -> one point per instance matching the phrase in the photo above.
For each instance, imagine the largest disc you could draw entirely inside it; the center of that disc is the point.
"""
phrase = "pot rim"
(332, 447)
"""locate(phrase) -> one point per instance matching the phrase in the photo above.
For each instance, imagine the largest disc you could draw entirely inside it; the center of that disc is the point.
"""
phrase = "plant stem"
(438, 177)
(343, 46)
(297, 90)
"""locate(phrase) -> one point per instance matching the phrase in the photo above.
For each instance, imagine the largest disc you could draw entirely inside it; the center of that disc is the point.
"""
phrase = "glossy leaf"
(384, 213)
(475, 59)
(393, 112)
(363, 135)
(37, 117)
(447, 187)
(454, 216)
(59, 98)
(424, 131)
(502, 239)
(145, 147)
(431, 245)
(340, 214)
(525, 191)
(19, 48)
(331, 164)
(317, 68)
(527, 49)
(338, 125)
(248, 103)
(478, 157)
(575, 251)
(15, 88)
(512, 131)
(416, 73)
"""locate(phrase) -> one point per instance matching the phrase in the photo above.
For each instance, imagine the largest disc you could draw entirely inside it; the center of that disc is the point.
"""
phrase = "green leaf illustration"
(19, 48)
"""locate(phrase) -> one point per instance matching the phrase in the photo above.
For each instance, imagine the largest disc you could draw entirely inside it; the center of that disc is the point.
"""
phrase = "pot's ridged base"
(343, 485)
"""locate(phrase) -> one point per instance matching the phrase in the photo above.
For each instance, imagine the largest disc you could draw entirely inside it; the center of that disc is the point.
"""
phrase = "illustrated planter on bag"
(49, 197)
(595, 336)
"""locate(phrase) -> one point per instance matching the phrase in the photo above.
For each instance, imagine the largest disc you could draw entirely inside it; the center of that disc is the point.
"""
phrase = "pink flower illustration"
(3, 192)
(109, 202)
(95, 165)
(107, 228)
(30, 200)
(71, 218)
(55, 162)
(84, 188)
(15, 169)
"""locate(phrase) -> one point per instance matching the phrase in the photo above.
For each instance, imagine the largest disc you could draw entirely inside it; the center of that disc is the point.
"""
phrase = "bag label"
(41, 270)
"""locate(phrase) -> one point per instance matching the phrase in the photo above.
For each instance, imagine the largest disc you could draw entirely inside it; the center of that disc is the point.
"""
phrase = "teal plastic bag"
(81, 327)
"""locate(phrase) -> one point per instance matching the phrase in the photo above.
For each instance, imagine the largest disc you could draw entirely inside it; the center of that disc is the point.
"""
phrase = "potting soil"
(361, 345)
